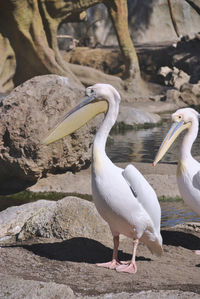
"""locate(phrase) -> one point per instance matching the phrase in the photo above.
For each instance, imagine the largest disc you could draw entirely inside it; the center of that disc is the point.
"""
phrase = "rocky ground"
(63, 265)
(45, 268)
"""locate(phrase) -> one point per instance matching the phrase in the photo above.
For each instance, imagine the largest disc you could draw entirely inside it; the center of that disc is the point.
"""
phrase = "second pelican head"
(182, 120)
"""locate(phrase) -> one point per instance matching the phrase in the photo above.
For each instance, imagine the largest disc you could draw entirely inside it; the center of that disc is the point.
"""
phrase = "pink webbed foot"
(130, 268)
(197, 252)
(109, 265)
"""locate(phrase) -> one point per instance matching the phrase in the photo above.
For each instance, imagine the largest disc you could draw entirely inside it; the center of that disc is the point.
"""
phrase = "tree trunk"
(28, 42)
(171, 11)
(119, 14)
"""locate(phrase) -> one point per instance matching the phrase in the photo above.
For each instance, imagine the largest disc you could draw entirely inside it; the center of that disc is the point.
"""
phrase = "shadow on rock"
(177, 238)
(80, 250)
(198, 265)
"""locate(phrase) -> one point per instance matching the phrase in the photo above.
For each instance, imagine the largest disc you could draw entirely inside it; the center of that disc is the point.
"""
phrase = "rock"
(27, 114)
(16, 288)
(69, 218)
(13, 219)
(151, 294)
(164, 71)
(129, 116)
(13, 287)
(173, 77)
(78, 183)
(174, 96)
(65, 219)
(189, 226)
(190, 93)
(179, 78)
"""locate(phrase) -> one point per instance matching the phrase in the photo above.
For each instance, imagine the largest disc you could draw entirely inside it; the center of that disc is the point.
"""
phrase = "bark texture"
(28, 42)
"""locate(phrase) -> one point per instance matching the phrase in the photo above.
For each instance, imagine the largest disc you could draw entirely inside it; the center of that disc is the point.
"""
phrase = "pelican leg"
(130, 268)
(114, 263)
(197, 252)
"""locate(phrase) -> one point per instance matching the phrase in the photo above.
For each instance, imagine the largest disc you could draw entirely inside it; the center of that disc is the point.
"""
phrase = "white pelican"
(188, 170)
(122, 197)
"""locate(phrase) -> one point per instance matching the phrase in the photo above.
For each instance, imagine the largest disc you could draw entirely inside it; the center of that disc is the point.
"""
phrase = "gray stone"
(164, 71)
(13, 219)
(67, 218)
(162, 294)
(174, 96)
(132, 116)
(26, 115)
(190, 93)
(12, 287)
(179, 78)
(79, 183)
(173, 77)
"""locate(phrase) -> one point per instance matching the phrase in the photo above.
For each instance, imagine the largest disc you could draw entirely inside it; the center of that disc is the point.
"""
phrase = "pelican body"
(122, 197)
(188, 169)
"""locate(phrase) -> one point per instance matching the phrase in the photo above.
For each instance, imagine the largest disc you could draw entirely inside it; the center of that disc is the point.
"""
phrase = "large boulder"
(187, 95)
(18, 287)
(26, 116)
(131, 117)
(70, 217)
(173, 77)
(13, 218)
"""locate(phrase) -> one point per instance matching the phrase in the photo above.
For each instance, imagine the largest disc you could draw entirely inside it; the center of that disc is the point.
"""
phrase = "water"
(177, 212)
(132, 146)
(142, 145)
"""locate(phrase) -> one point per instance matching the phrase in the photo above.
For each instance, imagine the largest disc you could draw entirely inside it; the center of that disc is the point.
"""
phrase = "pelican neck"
(188, 140)
(104, 129)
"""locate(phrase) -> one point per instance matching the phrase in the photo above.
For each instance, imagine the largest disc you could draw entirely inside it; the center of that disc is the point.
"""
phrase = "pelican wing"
(196, 180)
(144, 193)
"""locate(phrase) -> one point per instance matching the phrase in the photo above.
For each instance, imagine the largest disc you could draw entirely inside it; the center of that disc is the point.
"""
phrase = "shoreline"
(162, 178)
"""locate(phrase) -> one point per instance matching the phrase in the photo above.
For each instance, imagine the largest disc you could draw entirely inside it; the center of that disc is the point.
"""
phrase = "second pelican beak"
(175, 130)
(76, 118)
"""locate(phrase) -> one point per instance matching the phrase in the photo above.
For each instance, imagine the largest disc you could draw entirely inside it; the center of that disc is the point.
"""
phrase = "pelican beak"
(76, 118)
(175, 130)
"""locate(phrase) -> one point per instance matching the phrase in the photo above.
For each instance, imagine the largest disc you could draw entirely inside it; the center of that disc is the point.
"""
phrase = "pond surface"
(132, 146)
(176, 212)
(142, 145)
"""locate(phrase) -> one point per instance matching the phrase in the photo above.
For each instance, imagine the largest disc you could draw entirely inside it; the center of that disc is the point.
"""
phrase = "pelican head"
(182, 119)
(97, 100)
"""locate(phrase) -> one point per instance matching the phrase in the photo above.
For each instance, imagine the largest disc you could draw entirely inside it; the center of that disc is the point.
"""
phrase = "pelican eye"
(90, 92)
(179, 118)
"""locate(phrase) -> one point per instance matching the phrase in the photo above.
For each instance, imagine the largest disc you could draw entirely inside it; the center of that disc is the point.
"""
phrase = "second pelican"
(123, 197)
(188, 170)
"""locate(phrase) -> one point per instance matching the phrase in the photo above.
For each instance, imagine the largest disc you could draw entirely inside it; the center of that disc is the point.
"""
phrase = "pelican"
(188, 170)
(122, 197)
